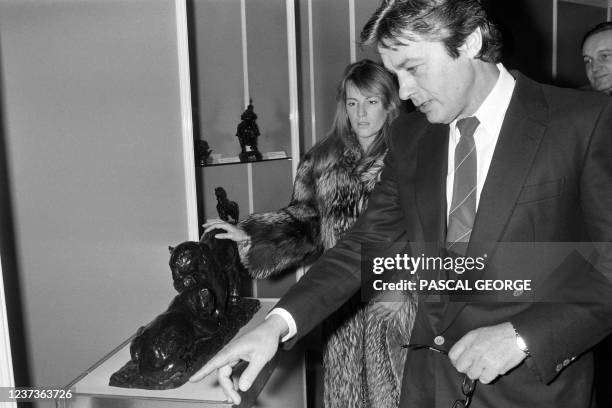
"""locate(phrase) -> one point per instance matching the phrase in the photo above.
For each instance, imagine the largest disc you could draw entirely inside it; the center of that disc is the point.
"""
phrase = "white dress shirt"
(491, 115)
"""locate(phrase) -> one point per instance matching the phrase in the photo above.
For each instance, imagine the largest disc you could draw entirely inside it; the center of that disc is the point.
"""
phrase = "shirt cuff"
(286, 316)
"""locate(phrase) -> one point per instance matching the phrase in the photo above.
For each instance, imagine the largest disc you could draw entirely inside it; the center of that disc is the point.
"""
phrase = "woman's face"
(366, 112)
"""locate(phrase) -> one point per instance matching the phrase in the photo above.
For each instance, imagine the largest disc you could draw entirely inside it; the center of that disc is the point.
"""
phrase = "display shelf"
(594, 3)
(239, 162)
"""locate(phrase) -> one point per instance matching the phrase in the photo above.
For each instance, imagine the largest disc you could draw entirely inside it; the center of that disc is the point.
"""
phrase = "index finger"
(218, 361)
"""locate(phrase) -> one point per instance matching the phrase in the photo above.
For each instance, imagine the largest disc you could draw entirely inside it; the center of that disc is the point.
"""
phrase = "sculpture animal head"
(190, 264)
(194, 265)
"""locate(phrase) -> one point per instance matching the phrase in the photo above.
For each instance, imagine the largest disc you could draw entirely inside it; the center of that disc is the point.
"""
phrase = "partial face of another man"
(597, 54)
(440, 86)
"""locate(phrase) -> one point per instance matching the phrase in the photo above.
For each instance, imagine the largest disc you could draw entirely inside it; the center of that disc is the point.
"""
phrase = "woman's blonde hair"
(371, 78)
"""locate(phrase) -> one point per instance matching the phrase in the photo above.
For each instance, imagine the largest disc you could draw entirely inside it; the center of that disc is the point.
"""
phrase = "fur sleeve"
(286, 238)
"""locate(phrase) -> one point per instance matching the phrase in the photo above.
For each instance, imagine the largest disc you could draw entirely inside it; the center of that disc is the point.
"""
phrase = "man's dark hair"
(448, 21)
(601, 27)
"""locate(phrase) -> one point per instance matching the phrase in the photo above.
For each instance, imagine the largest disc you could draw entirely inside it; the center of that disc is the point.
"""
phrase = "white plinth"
(91, 389)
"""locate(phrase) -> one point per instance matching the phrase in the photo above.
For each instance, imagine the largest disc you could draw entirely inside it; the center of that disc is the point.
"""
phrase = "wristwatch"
(520, 342)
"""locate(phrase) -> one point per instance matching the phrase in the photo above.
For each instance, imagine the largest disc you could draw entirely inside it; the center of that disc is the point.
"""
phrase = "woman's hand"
(231, 231)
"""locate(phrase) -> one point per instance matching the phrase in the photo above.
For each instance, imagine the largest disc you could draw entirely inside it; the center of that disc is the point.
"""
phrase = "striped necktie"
(463, 206)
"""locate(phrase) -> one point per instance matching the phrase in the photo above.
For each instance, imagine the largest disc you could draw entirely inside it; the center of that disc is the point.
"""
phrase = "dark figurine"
(202, 152)
(200, 320)
(227, 210)
(247, 133)
(163, 349)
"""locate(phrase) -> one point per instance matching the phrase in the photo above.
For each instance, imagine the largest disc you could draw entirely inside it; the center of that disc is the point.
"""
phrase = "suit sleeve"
(335, 277)
(288, 237)
(557, 333)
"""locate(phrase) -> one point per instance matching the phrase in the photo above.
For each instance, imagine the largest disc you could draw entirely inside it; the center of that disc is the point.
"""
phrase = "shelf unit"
(243, 50)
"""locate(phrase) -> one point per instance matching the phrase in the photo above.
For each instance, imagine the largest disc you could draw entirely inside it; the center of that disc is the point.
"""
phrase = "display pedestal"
(91, 389)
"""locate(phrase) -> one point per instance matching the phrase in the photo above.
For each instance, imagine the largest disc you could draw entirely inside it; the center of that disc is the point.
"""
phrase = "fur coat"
(363, 360)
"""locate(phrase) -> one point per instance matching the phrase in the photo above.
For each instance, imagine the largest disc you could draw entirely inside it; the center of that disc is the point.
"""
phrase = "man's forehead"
(393, 43)
(400, 53)
(599, 40)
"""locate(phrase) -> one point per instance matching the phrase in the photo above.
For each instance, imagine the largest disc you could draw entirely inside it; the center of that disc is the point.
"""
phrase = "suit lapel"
(517, 145)
(431, 182)
(432, 164)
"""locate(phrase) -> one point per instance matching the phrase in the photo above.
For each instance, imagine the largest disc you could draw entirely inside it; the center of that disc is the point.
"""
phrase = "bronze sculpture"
(202, 152)
(227, 209)
(201, 319)
(247, 133)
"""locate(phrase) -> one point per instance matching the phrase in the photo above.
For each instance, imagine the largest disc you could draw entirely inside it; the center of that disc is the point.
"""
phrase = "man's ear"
(473, 44)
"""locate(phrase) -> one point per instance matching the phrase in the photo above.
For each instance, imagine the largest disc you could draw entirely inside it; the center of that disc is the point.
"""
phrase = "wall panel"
(363, 10)
(93, 139)
(218, 98)
(331, 55)
(266, 22)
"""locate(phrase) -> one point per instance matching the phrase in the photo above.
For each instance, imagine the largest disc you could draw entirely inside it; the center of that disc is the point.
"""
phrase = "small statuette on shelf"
(202, 152)
(247, 133)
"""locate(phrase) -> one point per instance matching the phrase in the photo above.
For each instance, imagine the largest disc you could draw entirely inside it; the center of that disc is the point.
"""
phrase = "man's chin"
(435, 117)
(605, 87)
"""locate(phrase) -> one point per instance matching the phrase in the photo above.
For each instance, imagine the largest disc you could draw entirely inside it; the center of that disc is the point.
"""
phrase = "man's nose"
(406, 87)
(597, 64)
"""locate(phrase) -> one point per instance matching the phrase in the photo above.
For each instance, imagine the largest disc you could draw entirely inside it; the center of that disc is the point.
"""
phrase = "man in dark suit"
(489, 158)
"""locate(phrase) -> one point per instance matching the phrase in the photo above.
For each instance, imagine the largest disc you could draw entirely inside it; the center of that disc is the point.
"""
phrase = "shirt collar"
(491, 112)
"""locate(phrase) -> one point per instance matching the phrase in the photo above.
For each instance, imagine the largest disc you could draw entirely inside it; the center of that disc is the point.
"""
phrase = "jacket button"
(559, 367)
(439, 340)
(566, 362)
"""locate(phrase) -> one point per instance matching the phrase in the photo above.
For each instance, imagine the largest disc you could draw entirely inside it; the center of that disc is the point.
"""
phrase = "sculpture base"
(237, 315)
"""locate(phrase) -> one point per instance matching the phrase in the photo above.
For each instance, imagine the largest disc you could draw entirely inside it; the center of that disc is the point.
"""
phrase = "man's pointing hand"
(256, 347)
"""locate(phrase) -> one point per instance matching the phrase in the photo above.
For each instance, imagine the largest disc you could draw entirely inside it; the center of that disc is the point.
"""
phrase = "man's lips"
(423, 106)
(600, 77)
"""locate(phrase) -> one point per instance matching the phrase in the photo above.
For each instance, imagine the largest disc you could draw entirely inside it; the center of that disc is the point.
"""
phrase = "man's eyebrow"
(407, 61)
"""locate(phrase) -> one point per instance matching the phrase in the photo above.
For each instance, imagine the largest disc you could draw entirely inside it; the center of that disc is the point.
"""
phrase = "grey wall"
(95, 162)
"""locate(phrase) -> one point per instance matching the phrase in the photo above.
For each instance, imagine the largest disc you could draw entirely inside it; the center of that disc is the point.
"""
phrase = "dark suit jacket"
(550, 180)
